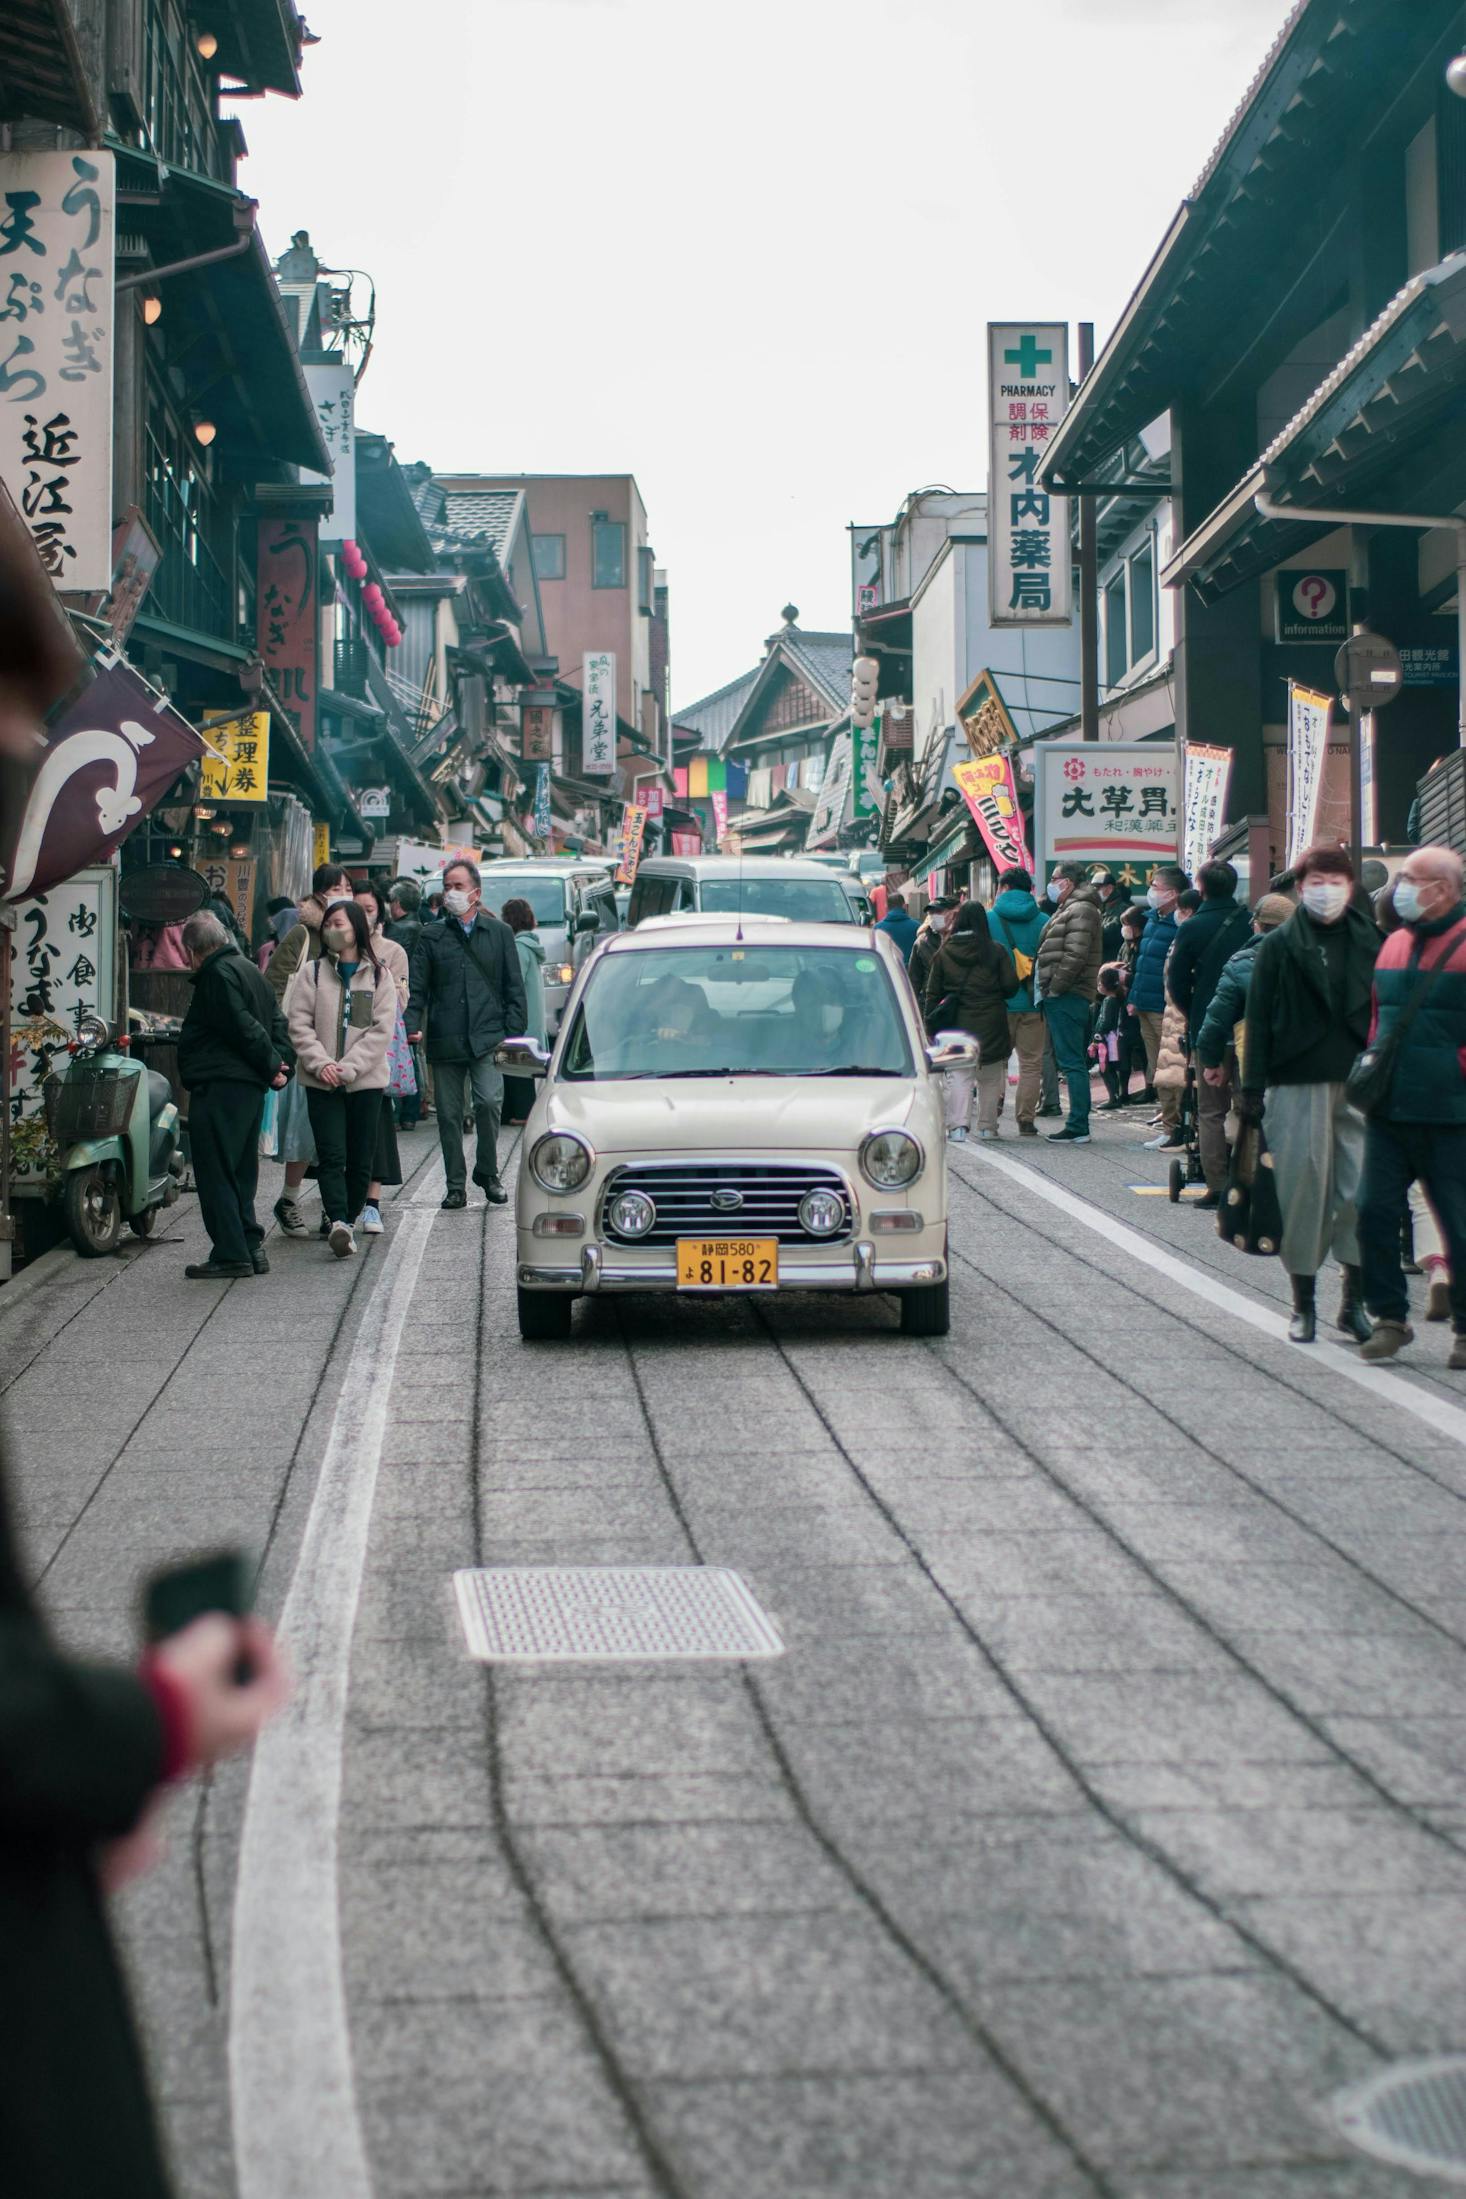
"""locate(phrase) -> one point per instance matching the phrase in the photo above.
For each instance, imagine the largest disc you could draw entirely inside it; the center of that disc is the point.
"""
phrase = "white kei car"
(736, 1106)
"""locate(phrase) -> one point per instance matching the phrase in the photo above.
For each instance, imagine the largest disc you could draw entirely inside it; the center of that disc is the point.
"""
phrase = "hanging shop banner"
(831, 807)
(63, 965)
(1308, 741)
(108, 758)
(56, 314)
(288, 617)
(987, 786)
(628, 844)
(233, 877)
(1113, 802)
(538, 727)
(135, 559)
(1207, 773)
(542, 824)
(598, 730)
(984, 718)
(240, 770)
(320, 845)
(1369, 826)
(865, 749)
(719, 800)
(1028, 530)
(653, 800)
(332, 387)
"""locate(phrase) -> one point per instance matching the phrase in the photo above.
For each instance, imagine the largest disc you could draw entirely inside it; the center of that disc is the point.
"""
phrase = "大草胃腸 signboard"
(1111, 802)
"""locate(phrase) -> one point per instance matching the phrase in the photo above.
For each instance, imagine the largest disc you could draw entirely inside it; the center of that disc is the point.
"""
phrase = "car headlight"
(890, 1158)
(631, 1214)
(565, 975)
(822, 1213)
(561, 1162)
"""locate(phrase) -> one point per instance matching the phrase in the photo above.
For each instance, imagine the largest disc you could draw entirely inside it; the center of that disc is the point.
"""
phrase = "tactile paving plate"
(1413, 2115)
(547, 1614)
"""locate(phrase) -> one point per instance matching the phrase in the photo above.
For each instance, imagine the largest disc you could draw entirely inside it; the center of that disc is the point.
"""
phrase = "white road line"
(1437, 1412)
(297, 2133)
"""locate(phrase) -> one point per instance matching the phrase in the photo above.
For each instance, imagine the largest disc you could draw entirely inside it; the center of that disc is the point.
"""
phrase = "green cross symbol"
(1027, 358)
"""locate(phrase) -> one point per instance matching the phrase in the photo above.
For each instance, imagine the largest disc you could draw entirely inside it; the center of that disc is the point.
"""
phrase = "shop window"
(1142, 604)
(646, 584)
(608, 553)
(1116, 659)
(549, 556)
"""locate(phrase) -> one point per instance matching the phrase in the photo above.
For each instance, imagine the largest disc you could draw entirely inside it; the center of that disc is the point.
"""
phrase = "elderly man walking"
(1307, 1019)
(1418, 1133)
(233, 1047)
(467, 990)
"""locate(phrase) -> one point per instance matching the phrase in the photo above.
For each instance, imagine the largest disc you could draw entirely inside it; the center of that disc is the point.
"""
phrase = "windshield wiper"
(849, 1069)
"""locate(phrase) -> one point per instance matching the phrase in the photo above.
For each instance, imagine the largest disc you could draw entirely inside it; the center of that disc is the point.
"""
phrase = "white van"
(741, 885)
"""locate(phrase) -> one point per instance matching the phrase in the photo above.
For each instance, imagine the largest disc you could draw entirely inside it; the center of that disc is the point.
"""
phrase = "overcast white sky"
(743, 251)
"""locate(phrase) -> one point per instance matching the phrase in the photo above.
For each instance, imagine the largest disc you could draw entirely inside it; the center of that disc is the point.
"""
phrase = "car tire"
(544, 1316)
(926, 1309)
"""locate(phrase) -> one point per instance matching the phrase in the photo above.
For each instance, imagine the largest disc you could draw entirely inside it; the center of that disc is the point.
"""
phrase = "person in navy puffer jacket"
(1148, 986)
(899, 924)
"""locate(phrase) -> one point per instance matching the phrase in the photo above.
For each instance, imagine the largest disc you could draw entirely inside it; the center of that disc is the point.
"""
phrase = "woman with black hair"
(342, 1015)
(968, 990)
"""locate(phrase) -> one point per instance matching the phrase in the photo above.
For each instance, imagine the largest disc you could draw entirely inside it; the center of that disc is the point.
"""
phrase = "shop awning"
(228, 316)
(1370, 434)
(41, 70)
(956, 847)
(310, 771)
(259, 42)
(1255, 219)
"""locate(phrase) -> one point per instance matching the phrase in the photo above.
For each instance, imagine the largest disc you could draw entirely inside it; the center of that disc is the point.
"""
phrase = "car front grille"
(684, 1195)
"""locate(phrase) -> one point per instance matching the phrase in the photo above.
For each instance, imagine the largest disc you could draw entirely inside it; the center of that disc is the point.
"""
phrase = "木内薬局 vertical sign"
(1029, 581)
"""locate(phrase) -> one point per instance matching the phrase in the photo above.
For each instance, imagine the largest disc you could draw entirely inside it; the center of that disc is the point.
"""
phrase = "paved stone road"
(1106, 1815)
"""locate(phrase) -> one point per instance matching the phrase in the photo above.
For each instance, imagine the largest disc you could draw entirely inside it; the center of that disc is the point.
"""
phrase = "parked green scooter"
(118, 1132)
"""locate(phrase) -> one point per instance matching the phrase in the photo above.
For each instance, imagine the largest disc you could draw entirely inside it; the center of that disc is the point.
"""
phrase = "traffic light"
(865, 678)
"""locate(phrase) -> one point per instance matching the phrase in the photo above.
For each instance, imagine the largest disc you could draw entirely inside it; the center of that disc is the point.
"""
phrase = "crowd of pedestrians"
(1332, 1022)
(362, 1004)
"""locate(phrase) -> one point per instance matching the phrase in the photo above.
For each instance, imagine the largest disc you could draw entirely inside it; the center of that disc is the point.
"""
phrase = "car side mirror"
(952, 1050)
(587, 921)
(522, 1057)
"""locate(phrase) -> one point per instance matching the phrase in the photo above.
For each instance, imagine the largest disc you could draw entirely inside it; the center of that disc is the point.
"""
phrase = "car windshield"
(707, 1011)
(544, 892)
(801, 900)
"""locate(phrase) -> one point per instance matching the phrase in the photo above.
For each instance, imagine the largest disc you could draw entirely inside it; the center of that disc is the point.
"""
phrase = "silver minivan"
(740, 885)
(574, 903)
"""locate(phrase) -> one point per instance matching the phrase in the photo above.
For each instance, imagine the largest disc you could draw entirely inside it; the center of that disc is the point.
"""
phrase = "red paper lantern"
(373, 598)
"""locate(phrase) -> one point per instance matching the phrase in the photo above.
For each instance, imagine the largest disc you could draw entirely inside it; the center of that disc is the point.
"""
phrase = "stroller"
(1186, 1167)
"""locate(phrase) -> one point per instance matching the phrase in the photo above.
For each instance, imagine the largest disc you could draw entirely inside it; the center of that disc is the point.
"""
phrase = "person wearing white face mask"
(467, 989)
(1308, 1014)
(1417, 1135)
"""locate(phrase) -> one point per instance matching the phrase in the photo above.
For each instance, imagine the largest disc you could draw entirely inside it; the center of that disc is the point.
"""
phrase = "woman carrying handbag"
(968, 990)
(343, 1011)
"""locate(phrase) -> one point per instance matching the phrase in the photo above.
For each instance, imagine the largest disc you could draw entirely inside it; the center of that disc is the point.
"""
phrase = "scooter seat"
(160, 1093)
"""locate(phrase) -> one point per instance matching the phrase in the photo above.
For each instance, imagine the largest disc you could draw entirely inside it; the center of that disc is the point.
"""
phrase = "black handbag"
(1251, 1217)
(1371, 1080)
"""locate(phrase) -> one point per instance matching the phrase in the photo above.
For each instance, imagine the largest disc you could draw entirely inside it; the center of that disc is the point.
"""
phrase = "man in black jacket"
(1204, 946)
(234, 1046)
(1308, 1013)
(468, 992)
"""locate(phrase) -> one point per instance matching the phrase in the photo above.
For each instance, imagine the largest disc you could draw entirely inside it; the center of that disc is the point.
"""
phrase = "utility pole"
(1088, 579)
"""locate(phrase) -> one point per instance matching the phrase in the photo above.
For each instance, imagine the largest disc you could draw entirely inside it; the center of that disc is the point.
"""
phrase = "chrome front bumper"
(857, 1270)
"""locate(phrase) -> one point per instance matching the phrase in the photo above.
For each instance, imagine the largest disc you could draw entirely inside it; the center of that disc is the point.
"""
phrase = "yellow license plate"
(727, 1263)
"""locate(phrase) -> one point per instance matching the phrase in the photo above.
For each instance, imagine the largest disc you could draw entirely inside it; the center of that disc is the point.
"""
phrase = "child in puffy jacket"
(1109, 1032)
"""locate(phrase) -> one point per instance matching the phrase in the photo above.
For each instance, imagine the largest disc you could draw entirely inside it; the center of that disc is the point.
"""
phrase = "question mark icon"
(1314, 596)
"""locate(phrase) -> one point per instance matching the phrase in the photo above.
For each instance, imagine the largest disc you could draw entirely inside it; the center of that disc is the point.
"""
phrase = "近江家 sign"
(1111, 802)
(1028, 530)
(57, 263)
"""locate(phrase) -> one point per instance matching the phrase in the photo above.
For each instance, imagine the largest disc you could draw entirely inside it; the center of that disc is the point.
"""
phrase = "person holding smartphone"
(86, 1752)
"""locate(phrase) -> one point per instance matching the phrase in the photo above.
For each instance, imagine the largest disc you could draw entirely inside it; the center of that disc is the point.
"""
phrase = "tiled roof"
(715, 715)
(824, 659)
(482, 512)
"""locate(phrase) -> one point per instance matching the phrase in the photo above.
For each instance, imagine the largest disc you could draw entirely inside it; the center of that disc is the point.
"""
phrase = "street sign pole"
(1088, 579)
(1356, 785)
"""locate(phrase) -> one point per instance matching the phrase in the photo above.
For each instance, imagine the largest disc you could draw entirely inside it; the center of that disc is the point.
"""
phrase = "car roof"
(736, 866)
(703, 930)
(552, 863)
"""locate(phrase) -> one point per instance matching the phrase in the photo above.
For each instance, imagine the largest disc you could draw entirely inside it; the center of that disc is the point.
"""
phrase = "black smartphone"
(179, 1594)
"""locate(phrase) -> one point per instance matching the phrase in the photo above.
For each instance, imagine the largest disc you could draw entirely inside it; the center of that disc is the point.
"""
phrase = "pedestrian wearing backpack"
(1017, 922)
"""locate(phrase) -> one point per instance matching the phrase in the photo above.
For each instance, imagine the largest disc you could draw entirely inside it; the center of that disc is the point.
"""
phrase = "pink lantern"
(373, 598)
(393, 636)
